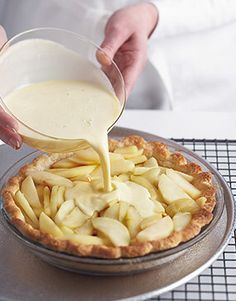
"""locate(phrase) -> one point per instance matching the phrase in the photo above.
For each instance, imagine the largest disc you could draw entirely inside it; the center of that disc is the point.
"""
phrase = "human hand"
(126, 36)
(8, 126)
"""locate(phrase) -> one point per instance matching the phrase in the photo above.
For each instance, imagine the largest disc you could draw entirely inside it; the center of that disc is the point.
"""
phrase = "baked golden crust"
(201, 180)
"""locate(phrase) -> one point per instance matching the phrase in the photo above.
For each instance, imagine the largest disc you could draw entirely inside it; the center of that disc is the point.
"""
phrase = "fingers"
(7, 121)
(115, 37)
(8, 127)
(10, 137)
(3, 36)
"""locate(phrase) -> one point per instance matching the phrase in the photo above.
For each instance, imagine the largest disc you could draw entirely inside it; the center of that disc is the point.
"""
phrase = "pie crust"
(201, 180)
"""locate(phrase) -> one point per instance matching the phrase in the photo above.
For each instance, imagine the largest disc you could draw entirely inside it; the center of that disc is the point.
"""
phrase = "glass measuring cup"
(68, 56)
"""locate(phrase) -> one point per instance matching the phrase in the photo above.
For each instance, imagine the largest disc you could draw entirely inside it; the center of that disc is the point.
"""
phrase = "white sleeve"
(188, 16)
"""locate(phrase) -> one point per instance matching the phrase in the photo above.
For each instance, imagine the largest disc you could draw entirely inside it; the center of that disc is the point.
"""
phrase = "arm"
(189, 16)
(126, 38)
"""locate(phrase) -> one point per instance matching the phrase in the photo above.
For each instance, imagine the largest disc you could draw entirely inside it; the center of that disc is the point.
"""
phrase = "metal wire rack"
(218, 282)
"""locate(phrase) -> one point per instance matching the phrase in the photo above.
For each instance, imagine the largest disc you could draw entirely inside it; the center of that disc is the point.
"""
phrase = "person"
(180, 53)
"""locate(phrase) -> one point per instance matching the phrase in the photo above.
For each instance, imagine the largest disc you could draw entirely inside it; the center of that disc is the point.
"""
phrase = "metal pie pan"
(122, 266)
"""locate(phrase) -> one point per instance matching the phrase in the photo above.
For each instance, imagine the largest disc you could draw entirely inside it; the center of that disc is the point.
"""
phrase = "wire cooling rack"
(218, 282)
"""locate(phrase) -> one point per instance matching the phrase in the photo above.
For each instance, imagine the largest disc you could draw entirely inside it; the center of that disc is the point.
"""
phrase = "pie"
(172, 200)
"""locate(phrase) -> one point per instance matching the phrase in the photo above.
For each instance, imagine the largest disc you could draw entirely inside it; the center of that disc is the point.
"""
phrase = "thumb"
(114, 38)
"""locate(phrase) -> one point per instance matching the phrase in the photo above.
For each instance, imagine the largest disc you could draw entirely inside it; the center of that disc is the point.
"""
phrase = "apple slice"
(86, 228)
(115, 156)
(75, 218)
(140, 170)
(116, 232)
(184, 184)
(201, 201)
(132, 156)
(159, 207)
(60, 195)
(123, 177)
(132, 149)
(112, 212)
(46, 200)
(182, 174)
(161, 229)
(22, 202)
(182, 205)
(39, 189)
(64, 163)
(47, 225)
(181, 220)
(138, 159)
(66, 230)
(38, 211)
(152, 175)
(123, 208)
(86, 156)
(47, 178)
(145, 183)
(65, 209)
(73, 172)
(132, 220)
(30, 192)
(169, 190)
(148, 221)
(83, 239)
(121, 166)
(151, 162)
(54, 200)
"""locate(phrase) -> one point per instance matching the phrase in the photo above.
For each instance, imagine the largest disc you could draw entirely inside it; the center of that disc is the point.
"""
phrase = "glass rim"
(79, 37)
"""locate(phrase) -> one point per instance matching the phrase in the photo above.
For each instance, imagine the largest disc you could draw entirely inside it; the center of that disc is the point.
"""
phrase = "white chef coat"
(191, 65)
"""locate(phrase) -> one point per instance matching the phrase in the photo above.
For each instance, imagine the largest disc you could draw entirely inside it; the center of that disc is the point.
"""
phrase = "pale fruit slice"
(112, 212)
(140, 170)
(64, 163)
(66, 230)
(131, 156)
(121, 166)
(159, 207)
(161, 229)
(184, 184)
(114, 157)
(60, 196)
(47, 178)
(75, 218)
(24, 204)
(83, 239)
(148, 221)
(151, 162)
(169, 190)
(86, 228)
(123, 207)
(47, 225)
(182, 205)
(86, 156)
(123, 177)
(65, 209)
(30, 192)
(46, 200)
(40, 192)
(181, 220)
(38, 211)
(201, 201)
(73, 172)
(54, 200)
(182, 174)
(132, 149)
(117, 233)
(138, 159)
(132, 220)
(145, 183)
(152, 175)
(96, 173)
